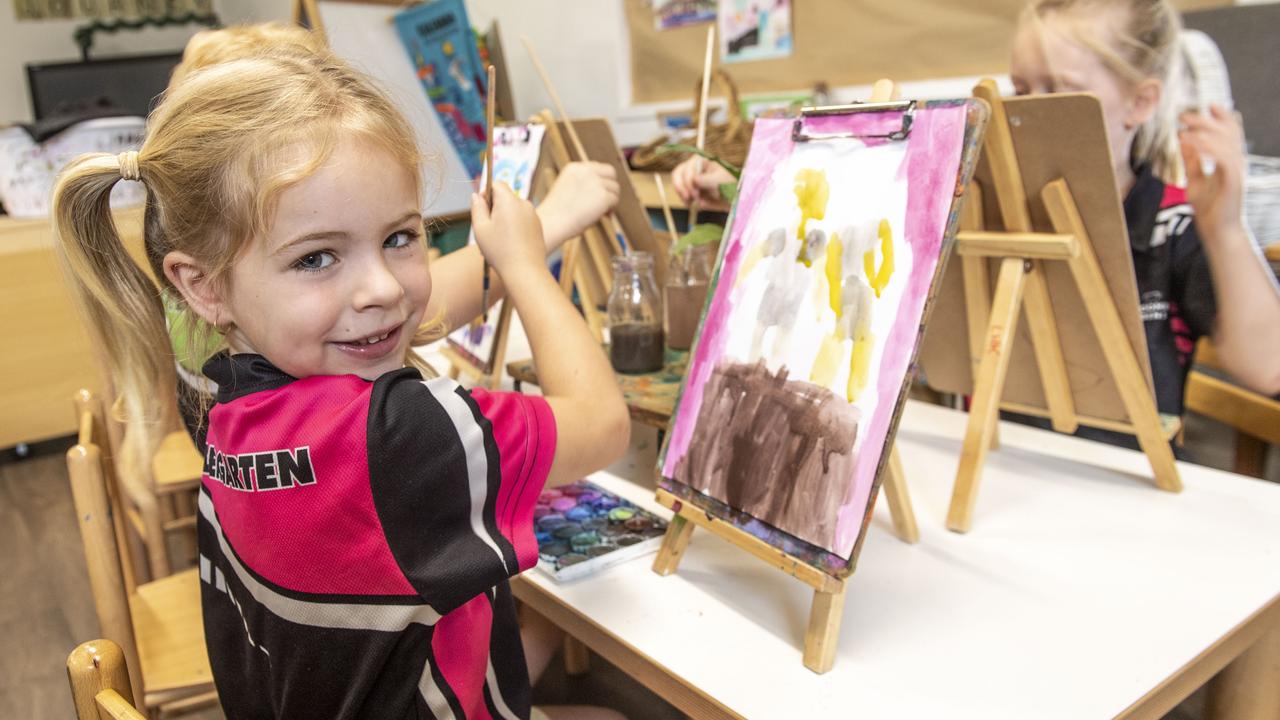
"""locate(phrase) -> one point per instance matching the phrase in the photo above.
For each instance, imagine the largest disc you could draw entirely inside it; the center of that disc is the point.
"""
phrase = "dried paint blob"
(566, 531)
(572, 490)
(565, 561)
(588, 496)
(563, 504)
(553, 549)
(622, 514)
(549, 523)
(639, 523)
(584, 540)
(598, 550)
(541, 511)
(596, 523)
(579, 513)
(628, 540)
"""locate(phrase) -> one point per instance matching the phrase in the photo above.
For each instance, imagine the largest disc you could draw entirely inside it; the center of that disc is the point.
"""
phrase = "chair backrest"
(110, 580)
(100, 687)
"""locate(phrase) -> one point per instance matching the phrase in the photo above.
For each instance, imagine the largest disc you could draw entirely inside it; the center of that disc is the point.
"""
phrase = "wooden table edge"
(688, 698)
(1203, 667)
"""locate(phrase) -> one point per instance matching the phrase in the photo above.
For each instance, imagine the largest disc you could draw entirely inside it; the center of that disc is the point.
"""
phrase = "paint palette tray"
(583, 528)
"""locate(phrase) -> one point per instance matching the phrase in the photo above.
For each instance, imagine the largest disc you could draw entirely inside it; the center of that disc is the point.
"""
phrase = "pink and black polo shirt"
(356, 539)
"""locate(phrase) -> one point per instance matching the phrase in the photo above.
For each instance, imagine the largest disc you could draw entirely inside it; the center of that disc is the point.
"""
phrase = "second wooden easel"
(828, 591)
(1021, 282)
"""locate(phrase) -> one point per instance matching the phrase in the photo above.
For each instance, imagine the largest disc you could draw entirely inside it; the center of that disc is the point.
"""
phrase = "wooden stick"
(666, 209)
(701, 142)
(488, 186)
(615, 228)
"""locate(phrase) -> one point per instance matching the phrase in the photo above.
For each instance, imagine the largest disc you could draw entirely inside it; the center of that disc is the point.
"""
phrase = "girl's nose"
(377, 287)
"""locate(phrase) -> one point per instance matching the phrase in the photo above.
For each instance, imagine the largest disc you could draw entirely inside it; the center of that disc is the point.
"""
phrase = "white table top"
(1080, 588)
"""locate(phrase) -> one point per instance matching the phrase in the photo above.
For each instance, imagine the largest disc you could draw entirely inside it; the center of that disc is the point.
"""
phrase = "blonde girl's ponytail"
(119, 300)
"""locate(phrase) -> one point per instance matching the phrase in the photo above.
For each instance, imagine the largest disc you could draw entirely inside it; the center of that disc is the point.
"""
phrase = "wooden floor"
(45, 608)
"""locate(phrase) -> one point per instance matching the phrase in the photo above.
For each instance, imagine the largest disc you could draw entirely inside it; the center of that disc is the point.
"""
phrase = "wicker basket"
(1262, 199)
(728, 141)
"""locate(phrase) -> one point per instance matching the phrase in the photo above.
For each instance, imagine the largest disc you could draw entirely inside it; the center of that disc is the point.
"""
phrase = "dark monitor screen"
(130, 83)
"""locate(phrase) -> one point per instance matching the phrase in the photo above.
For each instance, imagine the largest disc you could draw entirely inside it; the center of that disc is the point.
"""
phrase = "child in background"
(582, 193)
(357, 524)
(1198, 270)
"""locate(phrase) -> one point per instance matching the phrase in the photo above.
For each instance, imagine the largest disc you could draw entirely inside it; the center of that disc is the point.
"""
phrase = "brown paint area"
(780, 450)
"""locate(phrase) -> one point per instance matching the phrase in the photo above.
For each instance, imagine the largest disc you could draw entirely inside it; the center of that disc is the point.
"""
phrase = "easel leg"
(1048, 350)
(1131, 382)
(1247, 688)
(985, 408)
(977, 304)
(899, 499)
(577, 658)
(674, 543)
(823, 635)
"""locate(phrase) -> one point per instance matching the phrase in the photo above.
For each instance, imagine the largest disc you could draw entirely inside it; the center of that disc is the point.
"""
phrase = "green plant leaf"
(734, 170)
(729, 191)
(701, 234)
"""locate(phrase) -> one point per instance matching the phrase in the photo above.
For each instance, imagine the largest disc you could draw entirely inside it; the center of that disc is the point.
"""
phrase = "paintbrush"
(614, 226)
(488, 185)
(701, 143)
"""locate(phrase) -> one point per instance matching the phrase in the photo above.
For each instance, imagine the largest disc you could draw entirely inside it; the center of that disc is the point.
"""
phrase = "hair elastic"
(129, 165)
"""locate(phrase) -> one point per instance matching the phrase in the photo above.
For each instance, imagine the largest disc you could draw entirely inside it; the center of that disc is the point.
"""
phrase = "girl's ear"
(1144, 103)
(192, 281)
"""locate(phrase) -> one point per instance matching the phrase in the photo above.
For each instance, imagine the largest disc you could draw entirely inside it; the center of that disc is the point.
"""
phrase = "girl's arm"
(592, 425)
(1247, 330)
(583, 192)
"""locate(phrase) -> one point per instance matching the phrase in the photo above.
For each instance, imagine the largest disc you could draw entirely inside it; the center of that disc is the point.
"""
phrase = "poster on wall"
(442, 48)
(678, 13)
(799, 372)
(516, 149)
(754, 29)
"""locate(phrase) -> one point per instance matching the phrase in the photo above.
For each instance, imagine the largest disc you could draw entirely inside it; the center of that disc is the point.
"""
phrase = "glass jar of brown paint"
(685, 293)
(635, 315)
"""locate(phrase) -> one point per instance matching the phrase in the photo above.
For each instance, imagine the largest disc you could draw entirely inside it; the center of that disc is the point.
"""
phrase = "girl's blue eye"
(402, 238)
(315, 261)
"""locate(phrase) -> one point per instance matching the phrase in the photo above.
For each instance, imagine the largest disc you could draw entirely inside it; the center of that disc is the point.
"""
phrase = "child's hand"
(1217, 198)
(581, 195)
(509, 234)
(698, 180)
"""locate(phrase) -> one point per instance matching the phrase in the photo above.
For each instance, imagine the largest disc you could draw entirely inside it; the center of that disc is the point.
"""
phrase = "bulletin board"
(840, 42)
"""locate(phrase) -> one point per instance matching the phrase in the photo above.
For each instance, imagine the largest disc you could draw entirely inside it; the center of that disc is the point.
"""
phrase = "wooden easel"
(1022, 255)
(827, 609)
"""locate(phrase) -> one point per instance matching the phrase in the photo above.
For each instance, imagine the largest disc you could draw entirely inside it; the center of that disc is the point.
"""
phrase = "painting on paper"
(754, 29)
(446, 59)
(799, 372)
(516, 149)
(678, 13)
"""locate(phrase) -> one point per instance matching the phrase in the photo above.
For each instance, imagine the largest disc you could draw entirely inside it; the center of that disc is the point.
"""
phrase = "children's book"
(583, 528)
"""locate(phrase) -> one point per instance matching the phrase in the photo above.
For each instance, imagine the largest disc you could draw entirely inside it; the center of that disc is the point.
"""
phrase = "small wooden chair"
(1255, 417)
(100, 685)
(157, 624)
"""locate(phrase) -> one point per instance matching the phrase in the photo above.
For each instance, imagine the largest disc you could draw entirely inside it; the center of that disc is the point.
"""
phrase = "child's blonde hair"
(1144, 46)
(210, 47)
(219, 150)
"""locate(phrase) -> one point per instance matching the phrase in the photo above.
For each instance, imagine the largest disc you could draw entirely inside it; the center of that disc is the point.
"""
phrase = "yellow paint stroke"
(754, 255)
(879, 279)
(835, 271)
(824, 365)
(812, 191)
(859, 365)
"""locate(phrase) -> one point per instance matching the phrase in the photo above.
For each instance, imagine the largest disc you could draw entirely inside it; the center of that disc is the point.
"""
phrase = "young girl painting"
(357, 522)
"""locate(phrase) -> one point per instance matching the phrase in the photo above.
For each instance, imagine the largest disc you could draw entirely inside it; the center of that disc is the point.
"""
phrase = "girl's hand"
(509, 234)
(698, 180)
(1217, 199)
(581, 195)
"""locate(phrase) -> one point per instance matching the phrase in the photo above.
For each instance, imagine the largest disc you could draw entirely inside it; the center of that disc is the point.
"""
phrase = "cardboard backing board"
(1055, 136)
(597, 139)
